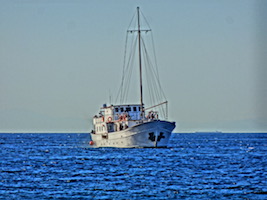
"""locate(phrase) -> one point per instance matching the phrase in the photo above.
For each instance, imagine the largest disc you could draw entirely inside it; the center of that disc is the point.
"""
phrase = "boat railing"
(126, 116)
(108, 118)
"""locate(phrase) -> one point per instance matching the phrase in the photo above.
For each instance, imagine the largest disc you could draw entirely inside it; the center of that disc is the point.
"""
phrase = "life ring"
(109, 119)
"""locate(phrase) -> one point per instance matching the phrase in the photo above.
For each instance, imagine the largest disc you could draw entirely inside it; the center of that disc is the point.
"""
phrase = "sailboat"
(132, 125)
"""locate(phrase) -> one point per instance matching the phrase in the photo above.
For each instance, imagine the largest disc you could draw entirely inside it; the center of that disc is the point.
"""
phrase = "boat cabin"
(116, 117)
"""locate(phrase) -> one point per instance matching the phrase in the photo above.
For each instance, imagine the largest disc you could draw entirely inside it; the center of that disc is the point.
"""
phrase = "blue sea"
(194, 166)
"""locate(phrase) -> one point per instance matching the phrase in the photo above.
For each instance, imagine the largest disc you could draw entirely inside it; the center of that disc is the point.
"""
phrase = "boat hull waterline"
(155, 133)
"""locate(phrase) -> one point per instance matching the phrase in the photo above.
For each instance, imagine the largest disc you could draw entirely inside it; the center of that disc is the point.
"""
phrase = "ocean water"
(195, 166)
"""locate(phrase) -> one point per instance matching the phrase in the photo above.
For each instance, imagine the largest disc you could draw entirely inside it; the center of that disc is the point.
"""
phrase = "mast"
(140, 63)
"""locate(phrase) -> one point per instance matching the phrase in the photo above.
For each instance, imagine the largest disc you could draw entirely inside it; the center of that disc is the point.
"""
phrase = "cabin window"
(139, 108)
(128, 109)
(121, 109)
(116, 109)
(134, 108)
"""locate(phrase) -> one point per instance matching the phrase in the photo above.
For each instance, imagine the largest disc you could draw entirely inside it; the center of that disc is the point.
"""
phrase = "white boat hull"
(149, 134)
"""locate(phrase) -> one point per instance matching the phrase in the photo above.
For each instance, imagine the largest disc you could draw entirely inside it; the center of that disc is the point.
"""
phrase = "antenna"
(110, 97)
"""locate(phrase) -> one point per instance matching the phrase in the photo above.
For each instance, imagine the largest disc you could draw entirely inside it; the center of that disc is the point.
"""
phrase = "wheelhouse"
(116, 117)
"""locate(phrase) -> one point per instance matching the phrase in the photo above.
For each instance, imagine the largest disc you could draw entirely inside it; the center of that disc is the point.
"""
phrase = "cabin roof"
(121, 105)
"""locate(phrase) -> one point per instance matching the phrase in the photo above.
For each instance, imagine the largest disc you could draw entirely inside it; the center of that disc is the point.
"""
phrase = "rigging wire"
(154, 53)
(123, 69)
(120, 92)
(156, 94)
(129, 69)
(151, 73)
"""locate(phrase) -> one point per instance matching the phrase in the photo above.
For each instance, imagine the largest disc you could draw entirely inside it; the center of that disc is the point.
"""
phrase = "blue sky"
(60, 60)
